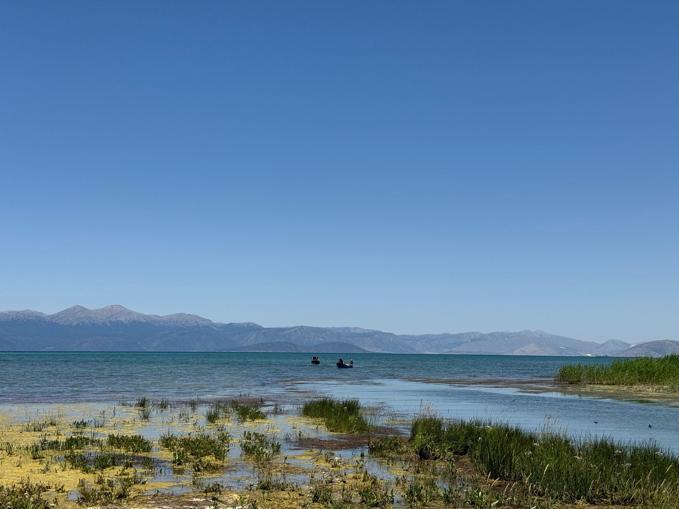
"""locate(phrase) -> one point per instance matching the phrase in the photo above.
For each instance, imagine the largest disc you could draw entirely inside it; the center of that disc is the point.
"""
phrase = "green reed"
(555, 466)
(339, 416)
(662, 371)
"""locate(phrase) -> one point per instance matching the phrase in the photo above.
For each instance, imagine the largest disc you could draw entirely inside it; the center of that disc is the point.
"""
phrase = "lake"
(454, 386)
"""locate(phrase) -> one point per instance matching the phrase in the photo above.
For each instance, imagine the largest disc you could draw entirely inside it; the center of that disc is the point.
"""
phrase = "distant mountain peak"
(117, 328)
(80, 315)
(23, 314)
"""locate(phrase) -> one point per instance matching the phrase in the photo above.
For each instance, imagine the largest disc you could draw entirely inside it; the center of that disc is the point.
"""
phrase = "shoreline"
(638, 393)
(247, 453)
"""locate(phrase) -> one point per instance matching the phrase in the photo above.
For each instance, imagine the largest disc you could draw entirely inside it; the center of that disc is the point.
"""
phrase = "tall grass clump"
(338, 416)
(130, 443)
(25, 495)
(246, 412)
(663, 371)
(555, 466)
(258, 446)
(197, 449)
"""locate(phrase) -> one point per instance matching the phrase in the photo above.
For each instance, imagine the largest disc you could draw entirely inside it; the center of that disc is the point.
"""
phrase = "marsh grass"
(130, 443)
(213, 414)
(662, 371)
(163, 405)
(321, 491)
(388, 447)
(81, 424)
(373, 492)
(243, 411)
(554, 466)
(42, 425)
(197, 449)
(258, 446)
(145, 413)
(75, 442)
(247, 412)
(24, 495)
(338, 416)
(107, 490)
(142, 402)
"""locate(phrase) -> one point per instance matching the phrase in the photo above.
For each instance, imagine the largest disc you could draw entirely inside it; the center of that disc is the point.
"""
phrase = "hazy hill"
(116, 328)
(652, 349)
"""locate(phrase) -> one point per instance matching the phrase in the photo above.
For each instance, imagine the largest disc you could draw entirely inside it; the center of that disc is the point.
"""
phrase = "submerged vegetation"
(200, 451)
(24, 495)
(338, 416)
(259, 446)
(662, 371)
(130, 443)
(441, 463)
(243, 411)
(554, 466)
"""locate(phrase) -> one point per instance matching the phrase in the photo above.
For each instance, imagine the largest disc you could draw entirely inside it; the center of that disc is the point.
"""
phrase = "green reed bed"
(196, 449)
(246, 412)
(662, 371)
(243, 411)
(554, 466)
(130, 443)
(339, 416)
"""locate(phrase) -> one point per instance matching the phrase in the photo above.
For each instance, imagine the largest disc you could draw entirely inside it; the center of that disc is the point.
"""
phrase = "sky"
(413, 167)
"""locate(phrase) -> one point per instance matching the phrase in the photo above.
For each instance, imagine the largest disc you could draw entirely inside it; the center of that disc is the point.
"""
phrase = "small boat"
(343, 365)
(315, 360)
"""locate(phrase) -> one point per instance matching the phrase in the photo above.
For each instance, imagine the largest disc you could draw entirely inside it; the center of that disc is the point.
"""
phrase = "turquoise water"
(74, 376)
(402, 384)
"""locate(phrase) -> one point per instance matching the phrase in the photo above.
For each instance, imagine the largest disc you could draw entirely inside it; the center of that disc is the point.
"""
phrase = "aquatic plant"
(388, 446)
(24, 495)
(107, 490)
(42, 425)
(192, 447)
(554, 466)
(663, 371)
(69, 444)
(130, 443)
(76, 460)
(213, 414)
(373, 492)
(142, 402)
(271, 483)
(246, 412)
(421, 491)
(338, 416)
(321, 491)
(258, 446)
(105, 460)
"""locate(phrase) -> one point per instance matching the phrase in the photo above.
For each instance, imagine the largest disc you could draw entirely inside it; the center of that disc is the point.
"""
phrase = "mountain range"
(116, 328)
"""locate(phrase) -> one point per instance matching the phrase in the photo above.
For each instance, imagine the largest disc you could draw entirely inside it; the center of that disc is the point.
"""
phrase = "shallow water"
(86, 376)
(391, 381)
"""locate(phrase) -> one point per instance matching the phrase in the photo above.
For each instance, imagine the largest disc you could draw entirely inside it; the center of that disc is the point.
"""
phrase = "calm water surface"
(401, 383)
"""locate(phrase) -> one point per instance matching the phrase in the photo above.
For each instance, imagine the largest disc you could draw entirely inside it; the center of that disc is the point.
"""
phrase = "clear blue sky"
(409, 166)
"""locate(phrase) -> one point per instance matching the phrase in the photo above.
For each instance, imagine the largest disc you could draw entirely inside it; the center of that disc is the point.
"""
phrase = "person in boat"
(315, 360)
(342, 364)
